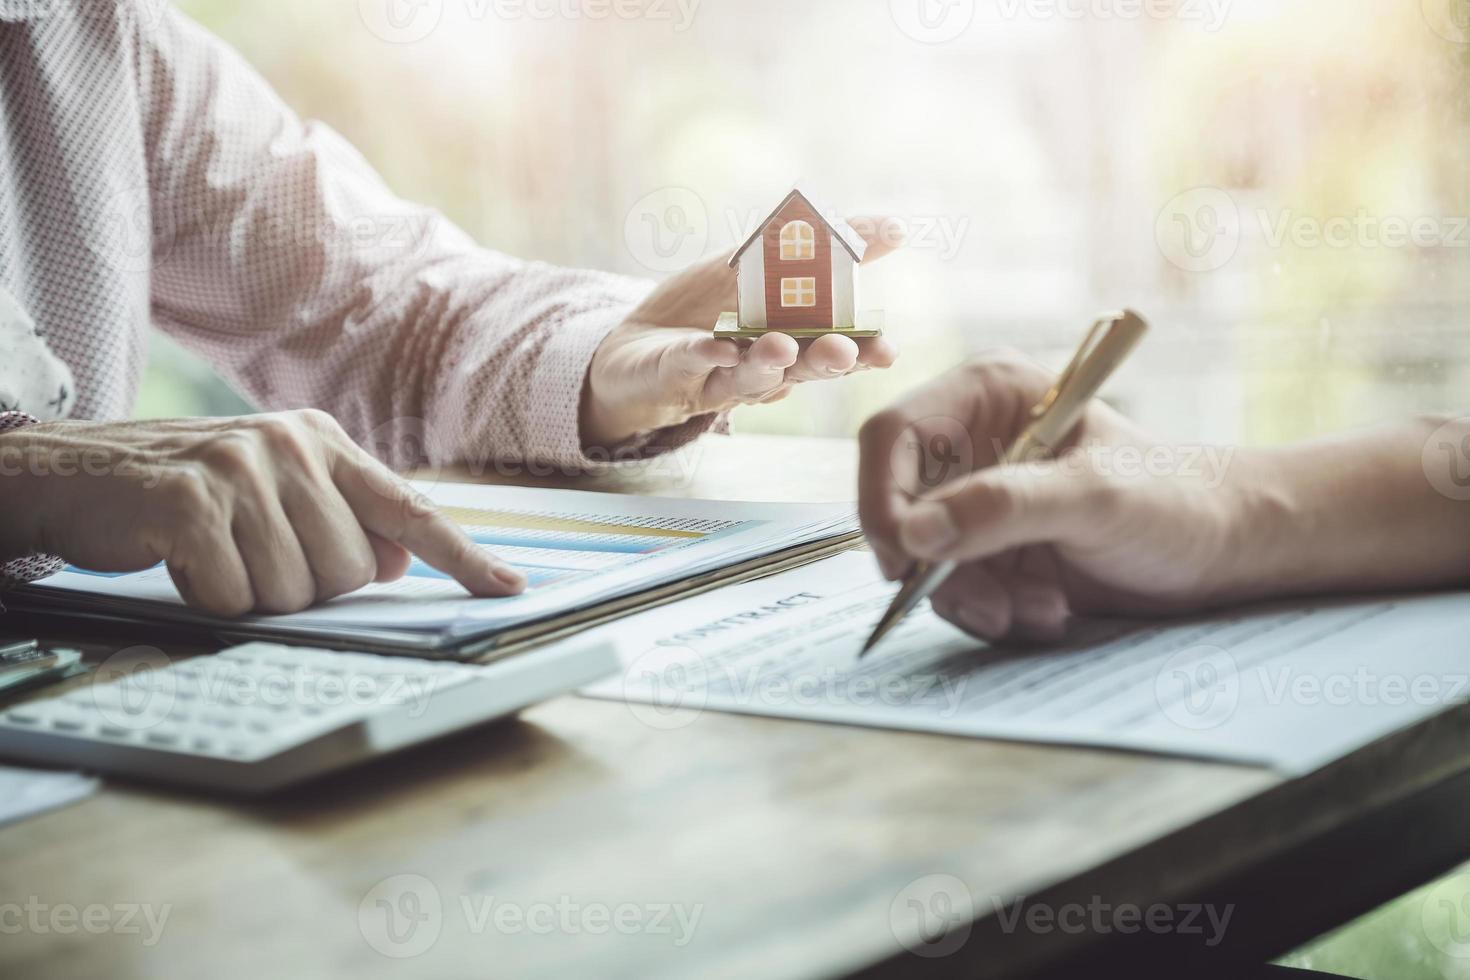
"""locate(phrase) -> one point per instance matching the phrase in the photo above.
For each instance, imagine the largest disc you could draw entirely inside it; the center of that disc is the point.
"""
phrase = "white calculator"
(255, 718)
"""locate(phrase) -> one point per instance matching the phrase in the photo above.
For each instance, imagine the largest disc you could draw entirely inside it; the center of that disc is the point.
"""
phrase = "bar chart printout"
(556, 549)
(576, 549)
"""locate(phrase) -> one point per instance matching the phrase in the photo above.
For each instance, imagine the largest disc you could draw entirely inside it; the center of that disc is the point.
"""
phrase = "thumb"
(696, 354)
(1000, 508)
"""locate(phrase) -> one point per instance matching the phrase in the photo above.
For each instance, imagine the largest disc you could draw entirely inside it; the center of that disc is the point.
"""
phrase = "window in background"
(1280, 187)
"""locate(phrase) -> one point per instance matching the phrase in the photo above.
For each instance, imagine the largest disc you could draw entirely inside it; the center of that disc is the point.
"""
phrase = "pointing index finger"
(392, 509)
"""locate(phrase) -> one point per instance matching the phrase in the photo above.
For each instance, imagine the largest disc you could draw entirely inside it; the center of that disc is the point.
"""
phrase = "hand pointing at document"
(268, 513)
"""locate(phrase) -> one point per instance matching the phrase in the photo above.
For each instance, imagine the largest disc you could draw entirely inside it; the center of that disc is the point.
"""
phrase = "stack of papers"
(587, 556)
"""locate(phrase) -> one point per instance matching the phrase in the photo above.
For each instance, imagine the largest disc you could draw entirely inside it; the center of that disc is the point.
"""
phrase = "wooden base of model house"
(870, 324)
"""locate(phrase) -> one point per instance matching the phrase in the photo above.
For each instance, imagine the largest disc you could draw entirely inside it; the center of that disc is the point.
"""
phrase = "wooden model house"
(797, 275)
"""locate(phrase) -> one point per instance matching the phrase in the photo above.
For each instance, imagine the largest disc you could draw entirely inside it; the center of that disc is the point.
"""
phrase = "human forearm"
(283, 259)
(1353, 513)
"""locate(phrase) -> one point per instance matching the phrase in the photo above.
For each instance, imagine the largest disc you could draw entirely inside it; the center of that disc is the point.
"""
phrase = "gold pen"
(1106, 345)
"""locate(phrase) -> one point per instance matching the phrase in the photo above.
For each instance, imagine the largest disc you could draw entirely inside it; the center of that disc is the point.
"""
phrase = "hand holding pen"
(1024, 539)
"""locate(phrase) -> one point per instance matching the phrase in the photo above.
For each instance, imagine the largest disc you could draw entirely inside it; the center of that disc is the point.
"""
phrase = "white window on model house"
(799, 292)
(798, 242)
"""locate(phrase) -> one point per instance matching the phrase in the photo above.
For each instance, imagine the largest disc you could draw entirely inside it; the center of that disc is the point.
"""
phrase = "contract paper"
(577, 549)
(1286, 686)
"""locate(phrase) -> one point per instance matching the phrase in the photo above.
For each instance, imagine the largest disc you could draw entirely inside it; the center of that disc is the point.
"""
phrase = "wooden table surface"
(579, 841)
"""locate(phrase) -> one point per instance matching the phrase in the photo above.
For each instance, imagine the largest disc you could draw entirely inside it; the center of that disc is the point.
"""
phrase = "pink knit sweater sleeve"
(282, 258)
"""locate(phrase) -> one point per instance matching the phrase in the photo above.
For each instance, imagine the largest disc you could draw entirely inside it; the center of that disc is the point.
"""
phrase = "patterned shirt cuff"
(22, 570)
(559, 377)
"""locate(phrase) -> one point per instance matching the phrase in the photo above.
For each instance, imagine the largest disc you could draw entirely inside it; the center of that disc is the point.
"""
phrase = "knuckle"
(1002, 357)
(232, 453)
(317, 420)
(229, 606)
(416, 505)
(361, 573)
(189, 492)
(301, 593)
(284, 603)
(992, 370)
(405, 501)
(346, 576)
(1004, 366)
(1106, 498)
(464, 550)
(286, 437)
(288, 589)
(998, 502)
(275, 426)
